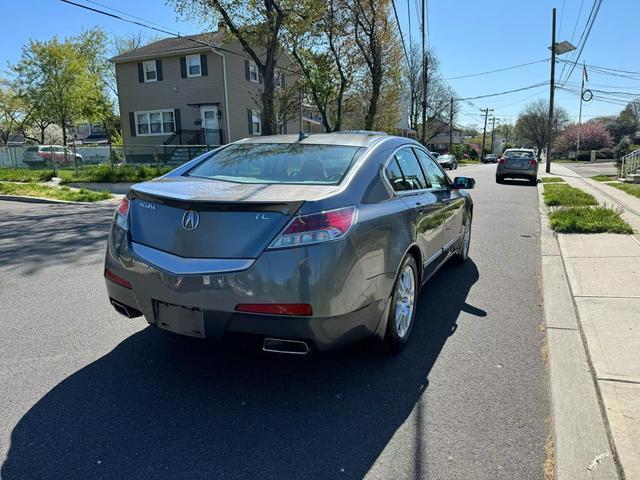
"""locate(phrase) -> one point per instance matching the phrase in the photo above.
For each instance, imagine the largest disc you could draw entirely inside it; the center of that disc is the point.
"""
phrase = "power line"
(585, 35)
(404, 48)
(497, 70)
(505, 92)
(164, 30)
(575, 25)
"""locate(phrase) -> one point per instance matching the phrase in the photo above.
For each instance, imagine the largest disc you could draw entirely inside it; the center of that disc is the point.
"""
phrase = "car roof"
(346, 138)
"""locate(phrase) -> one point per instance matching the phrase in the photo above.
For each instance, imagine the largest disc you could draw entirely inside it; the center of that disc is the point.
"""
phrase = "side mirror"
(463, 183)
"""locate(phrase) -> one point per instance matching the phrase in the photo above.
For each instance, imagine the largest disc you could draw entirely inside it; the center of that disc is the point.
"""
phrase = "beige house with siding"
(181, 91)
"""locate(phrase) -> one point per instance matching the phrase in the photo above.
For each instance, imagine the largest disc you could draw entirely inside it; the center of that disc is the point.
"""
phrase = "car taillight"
(316, 228)
(298, 309)
(533, 162)
(116, 279)
(502, 160)
(122, 214)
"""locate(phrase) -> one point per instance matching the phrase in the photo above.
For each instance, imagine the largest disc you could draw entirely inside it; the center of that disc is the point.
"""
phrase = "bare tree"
(532, 124)
(438, 95)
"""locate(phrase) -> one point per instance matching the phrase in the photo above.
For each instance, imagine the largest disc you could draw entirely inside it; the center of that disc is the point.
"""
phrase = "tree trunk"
(376, 84)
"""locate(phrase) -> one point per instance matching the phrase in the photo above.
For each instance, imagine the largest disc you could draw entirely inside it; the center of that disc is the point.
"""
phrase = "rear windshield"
(278, 163)
(518, 154)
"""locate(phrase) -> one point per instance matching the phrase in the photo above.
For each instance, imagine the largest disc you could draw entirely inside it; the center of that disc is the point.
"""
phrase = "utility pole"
(551, 90)
(450, 124)
(584, 67)
(484, 132)
(425, 64)
(493, 133)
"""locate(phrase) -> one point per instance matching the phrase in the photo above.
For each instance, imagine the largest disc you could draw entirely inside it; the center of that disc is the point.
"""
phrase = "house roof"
(171, 45)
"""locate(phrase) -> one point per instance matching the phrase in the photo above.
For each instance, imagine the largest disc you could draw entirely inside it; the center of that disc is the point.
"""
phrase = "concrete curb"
(580, 438)
(50, 201)
(117, 188)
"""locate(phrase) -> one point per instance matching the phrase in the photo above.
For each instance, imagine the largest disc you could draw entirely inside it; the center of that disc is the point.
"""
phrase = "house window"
(253, 73)
(255, 122)
(156, 122)
(150, 73)
(194, 69)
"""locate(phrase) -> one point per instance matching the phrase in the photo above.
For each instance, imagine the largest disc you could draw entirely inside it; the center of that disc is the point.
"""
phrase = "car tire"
(462, 254)
(399, 326)
(499, 180)
(533, 181)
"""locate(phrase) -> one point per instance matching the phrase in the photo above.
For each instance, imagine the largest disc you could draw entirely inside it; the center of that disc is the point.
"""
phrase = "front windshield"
(278, 163)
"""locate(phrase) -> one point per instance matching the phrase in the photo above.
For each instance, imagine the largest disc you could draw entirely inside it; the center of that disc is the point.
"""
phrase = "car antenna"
(302, 136)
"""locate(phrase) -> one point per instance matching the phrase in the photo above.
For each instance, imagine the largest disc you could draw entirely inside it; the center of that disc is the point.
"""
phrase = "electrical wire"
(585, 35)
(404, 48)
(497, 70)
(505, 92)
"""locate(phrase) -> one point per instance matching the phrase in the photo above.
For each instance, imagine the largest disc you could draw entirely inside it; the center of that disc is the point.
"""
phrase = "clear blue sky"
(468, 36)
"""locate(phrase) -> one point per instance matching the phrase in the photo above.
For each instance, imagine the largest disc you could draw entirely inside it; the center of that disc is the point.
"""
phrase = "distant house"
(440, 142)
(181, 91)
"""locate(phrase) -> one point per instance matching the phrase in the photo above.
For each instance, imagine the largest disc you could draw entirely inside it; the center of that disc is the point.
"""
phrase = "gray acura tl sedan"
(309, 242)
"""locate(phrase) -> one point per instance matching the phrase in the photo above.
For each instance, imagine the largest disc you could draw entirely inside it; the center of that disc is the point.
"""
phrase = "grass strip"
(602, 178)
(552, 180)
(117, 174)
(56, 193)
(25, 175)
(630, 188)
(562, 195)
(588, 220)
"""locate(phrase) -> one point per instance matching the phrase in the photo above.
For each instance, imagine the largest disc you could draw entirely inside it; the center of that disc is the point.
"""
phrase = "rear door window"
(410, 168)
(435, 176)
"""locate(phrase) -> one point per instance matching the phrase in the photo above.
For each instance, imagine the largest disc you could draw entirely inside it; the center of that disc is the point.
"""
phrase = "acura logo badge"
(190, 220)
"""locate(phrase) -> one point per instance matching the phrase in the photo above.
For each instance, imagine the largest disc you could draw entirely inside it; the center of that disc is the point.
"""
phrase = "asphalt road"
(86, 393)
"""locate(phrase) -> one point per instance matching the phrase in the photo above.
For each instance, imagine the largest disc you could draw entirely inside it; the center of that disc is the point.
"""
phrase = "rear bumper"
(346, 305)
(517, 172)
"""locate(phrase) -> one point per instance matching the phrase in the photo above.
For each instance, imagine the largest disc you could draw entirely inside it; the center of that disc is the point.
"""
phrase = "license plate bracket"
(180, 319)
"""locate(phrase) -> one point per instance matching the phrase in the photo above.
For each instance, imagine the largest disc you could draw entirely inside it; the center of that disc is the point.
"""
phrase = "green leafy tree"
(58, 77)
(377, 41)
(259, 27)
(327, 59)
(629, 118)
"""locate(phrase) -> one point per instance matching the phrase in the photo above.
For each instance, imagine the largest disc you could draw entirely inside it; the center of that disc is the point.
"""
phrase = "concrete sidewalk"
(603, 274)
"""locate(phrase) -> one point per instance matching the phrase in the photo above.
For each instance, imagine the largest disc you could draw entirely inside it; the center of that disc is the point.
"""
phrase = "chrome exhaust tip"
(281, 345)
(125, 310)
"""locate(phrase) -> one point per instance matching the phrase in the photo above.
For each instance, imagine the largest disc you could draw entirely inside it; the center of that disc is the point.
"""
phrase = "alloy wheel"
(405, 300)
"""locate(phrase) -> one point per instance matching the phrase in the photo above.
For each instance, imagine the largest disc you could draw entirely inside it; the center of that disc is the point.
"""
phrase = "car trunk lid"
(229, 220)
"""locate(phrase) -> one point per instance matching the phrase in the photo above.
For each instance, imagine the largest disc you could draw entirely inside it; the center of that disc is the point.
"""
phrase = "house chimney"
(222, 26)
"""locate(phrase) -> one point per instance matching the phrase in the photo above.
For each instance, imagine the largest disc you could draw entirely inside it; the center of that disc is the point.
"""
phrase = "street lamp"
(556, 49)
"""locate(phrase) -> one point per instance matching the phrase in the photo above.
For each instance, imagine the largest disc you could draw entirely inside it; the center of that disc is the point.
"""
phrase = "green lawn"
(57, 193)
(552, 180)
(25, 175)
(588, 220)
(630, 188)
(107, 174)
(562, 195)
(603, 178)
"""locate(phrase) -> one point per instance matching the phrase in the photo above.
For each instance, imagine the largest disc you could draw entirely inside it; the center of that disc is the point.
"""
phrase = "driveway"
(89, 394)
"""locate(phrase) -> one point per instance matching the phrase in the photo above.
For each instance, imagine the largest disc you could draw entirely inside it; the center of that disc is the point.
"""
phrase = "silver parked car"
(448, 161)
(518, 163)
(45, 155)
(308, 242)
